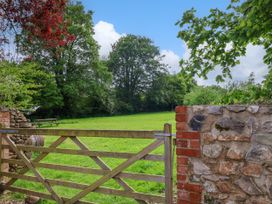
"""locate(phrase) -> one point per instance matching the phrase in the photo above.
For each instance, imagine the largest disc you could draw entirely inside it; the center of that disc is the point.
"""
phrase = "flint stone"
(194, 178)
(222, 196)
(199, 168)
(238, 196)
(215, 110)
(259, 153)
(248, 186)
(251, 169)
(224, 187)
(210, 187)
(228, 168)
(214, 177)
(196, 122)
(253, 109)
(265, 139)
(267, 127)
(231, 202)
(257, 200)
(265, 184)
(230, 136)
(212, 151)
(267, 110)
(230, 124)
(198, 109)
(236, 108)
(237, 151)
(253, 124)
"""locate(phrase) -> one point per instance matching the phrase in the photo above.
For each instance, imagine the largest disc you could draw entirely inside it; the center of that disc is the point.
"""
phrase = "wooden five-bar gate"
(118, 173)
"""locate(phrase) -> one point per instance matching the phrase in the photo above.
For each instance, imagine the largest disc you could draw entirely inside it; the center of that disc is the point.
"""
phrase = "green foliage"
(200, 95)
(84, 82)
(220, 38)
(247, 92)
(135, 64)
(166, 92)
(244, 92)
(25, 85)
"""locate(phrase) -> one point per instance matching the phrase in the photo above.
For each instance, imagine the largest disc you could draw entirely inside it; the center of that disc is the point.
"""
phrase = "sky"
(156, 20)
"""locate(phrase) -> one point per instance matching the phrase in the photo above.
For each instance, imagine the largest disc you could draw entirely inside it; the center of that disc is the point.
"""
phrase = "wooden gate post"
(4, 153)
(168, 163)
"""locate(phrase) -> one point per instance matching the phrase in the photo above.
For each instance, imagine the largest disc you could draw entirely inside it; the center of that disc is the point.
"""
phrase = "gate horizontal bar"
(120, 155)
(84, 170)
(139, 134)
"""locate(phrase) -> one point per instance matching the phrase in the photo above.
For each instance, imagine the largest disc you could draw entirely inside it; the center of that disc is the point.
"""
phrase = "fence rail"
(118, 173)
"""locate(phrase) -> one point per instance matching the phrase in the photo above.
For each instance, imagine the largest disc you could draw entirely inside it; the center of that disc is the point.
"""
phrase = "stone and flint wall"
(224, 154)
(14, 119)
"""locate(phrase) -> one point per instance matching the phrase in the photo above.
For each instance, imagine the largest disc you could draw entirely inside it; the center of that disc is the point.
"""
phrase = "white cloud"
(251, 62)
(106, 36)
(171, 59)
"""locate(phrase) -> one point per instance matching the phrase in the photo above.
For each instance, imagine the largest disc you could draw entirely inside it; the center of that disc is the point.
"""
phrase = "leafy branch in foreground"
(219, 39)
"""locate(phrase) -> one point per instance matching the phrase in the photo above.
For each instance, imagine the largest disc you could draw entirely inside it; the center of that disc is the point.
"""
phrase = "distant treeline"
(72, 81)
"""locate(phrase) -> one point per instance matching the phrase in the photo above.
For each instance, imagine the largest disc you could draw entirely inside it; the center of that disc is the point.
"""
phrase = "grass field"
(150, 121)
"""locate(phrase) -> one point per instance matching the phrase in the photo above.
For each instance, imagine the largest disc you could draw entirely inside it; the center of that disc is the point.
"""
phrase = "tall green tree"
(135, 64)
(82, 80)
(220, 38)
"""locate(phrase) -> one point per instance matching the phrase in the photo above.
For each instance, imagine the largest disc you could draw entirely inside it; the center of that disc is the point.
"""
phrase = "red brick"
(181, 126)
(182, 143)
(188, 152)
(193, 187)
(182, 170)
(183, 195)
(181, 117)
(181, 109)
(181, 178)
(182, 201)
(188, 135)
(195, 144)
(196, 197)
(180, 185)
(182, 160)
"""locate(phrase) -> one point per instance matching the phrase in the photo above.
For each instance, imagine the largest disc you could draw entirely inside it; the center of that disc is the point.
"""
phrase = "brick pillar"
(188, 146)
(4, 123)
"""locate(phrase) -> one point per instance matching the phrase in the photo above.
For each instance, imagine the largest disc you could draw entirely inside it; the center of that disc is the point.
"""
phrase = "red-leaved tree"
(39, 19)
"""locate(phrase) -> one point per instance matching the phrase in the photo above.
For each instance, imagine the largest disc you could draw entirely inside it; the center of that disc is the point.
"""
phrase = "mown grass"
(149, 121)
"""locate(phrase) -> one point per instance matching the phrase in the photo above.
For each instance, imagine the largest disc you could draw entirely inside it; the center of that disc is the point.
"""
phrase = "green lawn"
(149, 121)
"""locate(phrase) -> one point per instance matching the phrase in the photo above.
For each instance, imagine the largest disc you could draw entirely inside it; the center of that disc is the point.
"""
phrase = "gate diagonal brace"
(55, 144)
(29, 164)
(104, 166)
(115, 171)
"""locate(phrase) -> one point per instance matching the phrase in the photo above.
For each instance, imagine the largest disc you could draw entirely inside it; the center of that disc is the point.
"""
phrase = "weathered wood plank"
(115, 171)
(102, 190)
(120, 155)
(140, 134)
(84, 170)
(36, 173)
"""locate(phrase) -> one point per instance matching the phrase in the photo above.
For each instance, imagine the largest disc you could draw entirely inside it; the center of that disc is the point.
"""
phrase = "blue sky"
(156, 19)
(152, 18)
